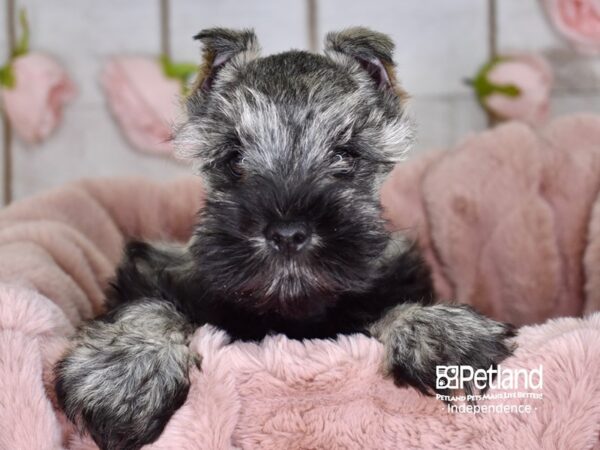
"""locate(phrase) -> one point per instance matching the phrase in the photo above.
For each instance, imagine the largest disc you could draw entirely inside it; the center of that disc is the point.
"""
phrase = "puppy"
(293, 149)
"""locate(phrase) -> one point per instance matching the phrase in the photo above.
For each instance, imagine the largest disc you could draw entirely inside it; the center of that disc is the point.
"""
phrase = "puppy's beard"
(234, 257)
(290, 288)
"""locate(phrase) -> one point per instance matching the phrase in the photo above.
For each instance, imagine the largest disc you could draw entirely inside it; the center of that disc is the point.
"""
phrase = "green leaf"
(181, 72)
(483, 87)
(7, 77)
(7, 74)
(23, 45)
(510, 90)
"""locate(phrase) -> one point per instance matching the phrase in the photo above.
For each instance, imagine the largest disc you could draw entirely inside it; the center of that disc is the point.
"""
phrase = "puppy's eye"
(345, 152)
(344, 160)
(234, 164)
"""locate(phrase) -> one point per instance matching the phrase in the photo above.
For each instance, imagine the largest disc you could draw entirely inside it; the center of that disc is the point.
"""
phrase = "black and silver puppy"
(293, 149)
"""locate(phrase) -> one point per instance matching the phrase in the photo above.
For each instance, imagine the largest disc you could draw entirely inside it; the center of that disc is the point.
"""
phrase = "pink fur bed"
(509, 221)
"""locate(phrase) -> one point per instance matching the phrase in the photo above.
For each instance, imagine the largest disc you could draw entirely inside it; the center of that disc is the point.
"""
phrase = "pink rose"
(34, 104)
(143, 100)
(516, 87)
(577, 20)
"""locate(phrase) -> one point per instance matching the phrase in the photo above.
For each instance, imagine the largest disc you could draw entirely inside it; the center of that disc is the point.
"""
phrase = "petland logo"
(456, 377)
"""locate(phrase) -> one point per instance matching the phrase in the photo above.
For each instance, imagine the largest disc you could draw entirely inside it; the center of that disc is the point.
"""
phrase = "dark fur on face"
(299, 139)
(293, 149)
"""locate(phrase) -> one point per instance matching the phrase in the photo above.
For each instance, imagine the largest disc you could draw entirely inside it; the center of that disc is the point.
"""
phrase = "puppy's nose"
(288, 237)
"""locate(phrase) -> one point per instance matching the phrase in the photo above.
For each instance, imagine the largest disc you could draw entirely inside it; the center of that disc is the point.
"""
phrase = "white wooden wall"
(3, 58)
(439, 43)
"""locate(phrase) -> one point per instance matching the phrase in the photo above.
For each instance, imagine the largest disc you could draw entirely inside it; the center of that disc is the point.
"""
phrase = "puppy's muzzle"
(288, 237)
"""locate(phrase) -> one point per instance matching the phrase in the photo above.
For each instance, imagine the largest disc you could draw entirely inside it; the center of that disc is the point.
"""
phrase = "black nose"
(288, 236)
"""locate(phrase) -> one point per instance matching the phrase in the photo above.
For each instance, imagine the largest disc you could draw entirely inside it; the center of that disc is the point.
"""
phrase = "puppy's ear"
(374, 52)
(220, 47)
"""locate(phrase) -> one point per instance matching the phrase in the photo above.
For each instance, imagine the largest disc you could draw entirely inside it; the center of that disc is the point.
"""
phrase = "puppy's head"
(293, 149)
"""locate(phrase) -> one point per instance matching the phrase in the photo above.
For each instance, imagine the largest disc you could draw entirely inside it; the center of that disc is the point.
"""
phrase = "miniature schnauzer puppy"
(293, 149)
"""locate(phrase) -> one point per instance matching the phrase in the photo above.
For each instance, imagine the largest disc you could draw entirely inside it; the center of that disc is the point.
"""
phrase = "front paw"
(418, 339)
(126, 376)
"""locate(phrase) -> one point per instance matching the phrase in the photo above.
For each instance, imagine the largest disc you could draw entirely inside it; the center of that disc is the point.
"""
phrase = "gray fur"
(223, 44)
(124, 371)
(271, 106)
(288, 114)
(418, 338)
(294, 139)
(360, 42)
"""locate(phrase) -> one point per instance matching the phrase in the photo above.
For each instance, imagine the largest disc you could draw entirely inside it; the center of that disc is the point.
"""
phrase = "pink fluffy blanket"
(509, 221)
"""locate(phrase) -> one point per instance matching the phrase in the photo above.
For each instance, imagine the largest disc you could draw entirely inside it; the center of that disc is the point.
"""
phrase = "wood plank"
(3, 59)
(522, 26)
(279, 25)
(438, 42)
(88, 143)
(442, 121)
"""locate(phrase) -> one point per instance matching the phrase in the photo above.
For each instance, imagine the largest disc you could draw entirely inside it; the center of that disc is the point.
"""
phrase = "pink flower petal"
(532, 76)
(34, 105)
(577, 20)
(143, 100)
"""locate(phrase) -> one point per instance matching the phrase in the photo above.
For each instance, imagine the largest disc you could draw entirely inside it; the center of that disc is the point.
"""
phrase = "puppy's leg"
(148, 270)
(417, 338)
(127, 373)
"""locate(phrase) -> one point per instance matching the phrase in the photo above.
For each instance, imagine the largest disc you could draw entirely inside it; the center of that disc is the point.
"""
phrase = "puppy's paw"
(126, 375)
(418, 338)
